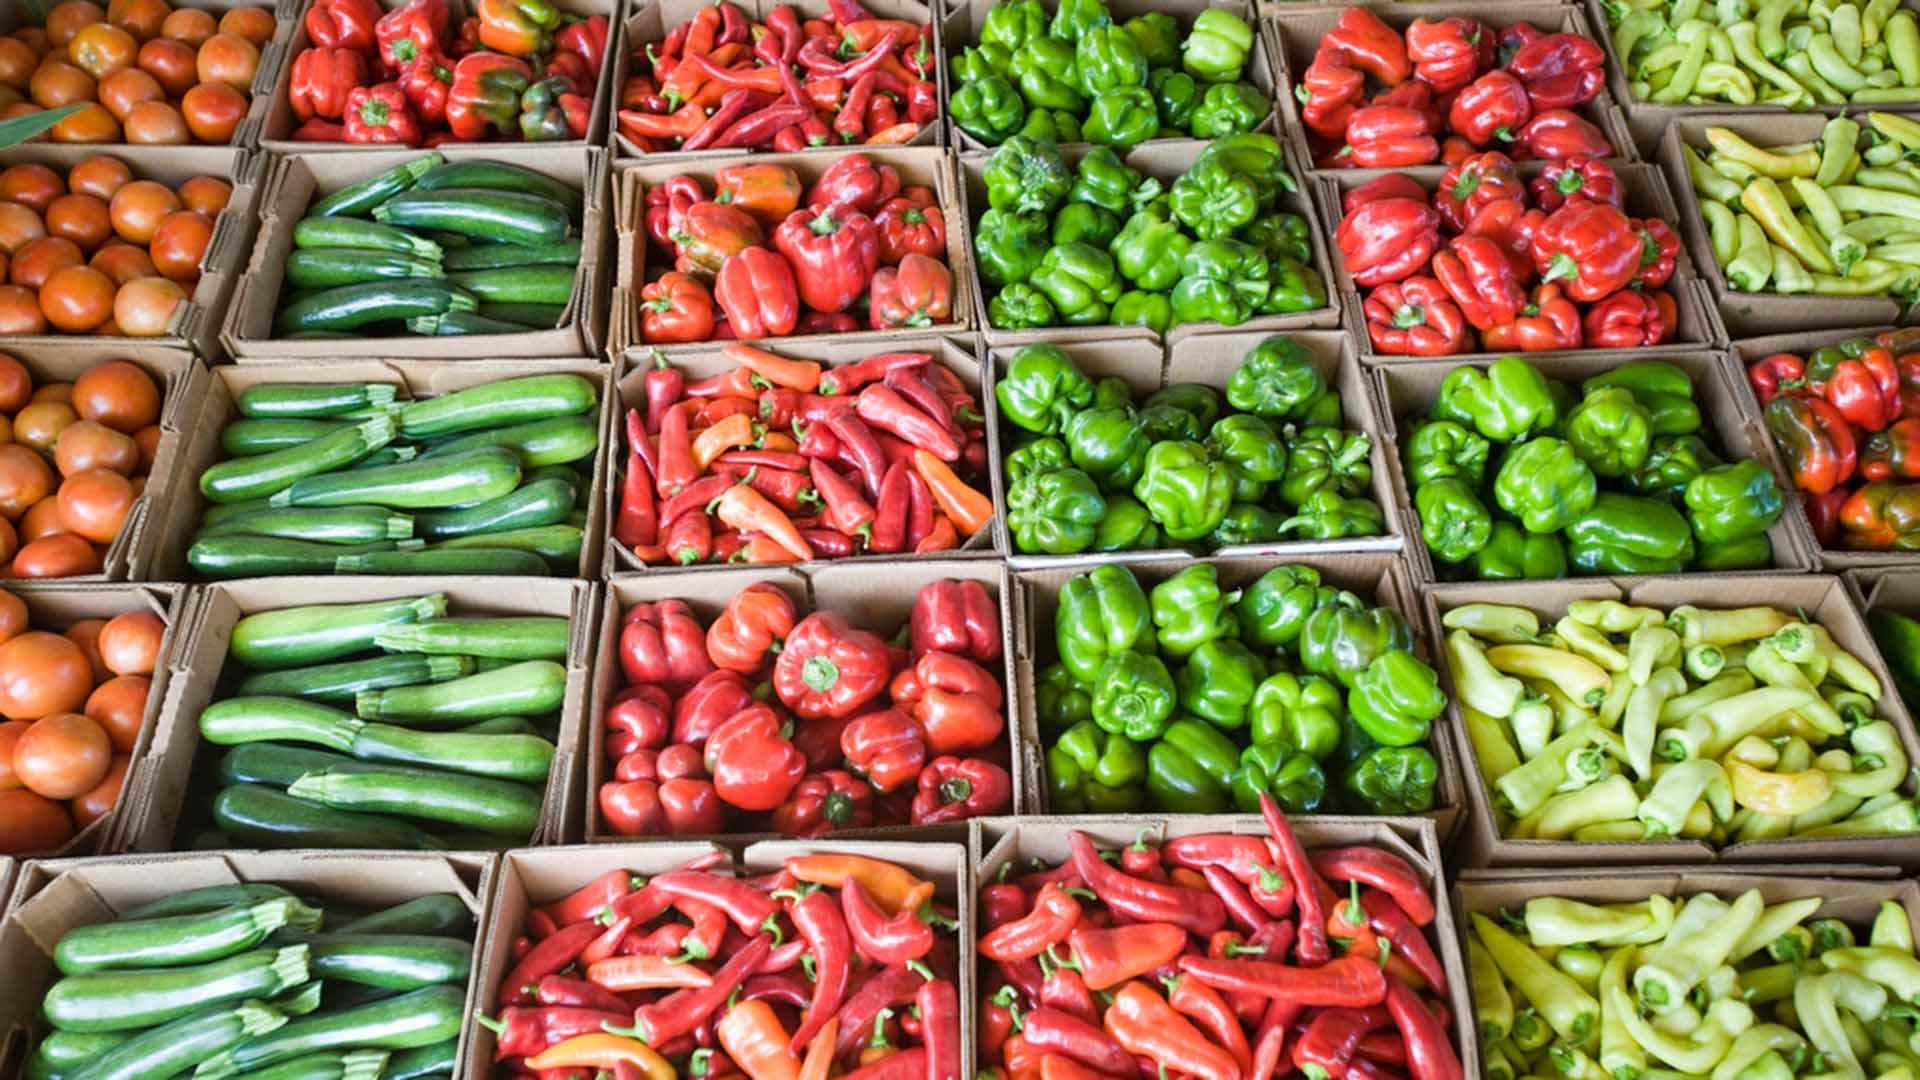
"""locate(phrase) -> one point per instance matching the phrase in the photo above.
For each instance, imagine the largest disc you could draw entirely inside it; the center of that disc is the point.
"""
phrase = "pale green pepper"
(1641, 720)
(1878, 764)
(1725, 685)
(1752, 265)
(1492, 1005)
(1832, 66)
(1892, 929)
(1817, 1002)
(1902, 34)
(1476, 683)
(1666, 807)
(1723, 230)
(1764, 200)
(1669, 972)
(1756, 1043)
(1567, 1008)
(1705, 662)
(1533, 723)
(1774, 923)
(1611, 799)
(1494, 622)
(1590, 643)
(1894, 969)
(1897, 817)
(1773, 669)
(1802, 642)
(1522, 790)
(1491, 747)
(1712, 730)
(1696, 1055)
(1650, 647)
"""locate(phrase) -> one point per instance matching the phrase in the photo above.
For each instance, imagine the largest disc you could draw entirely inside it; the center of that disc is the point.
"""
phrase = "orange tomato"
(142, 18)
(83, 219)
(62, 754)
(89, 444)
(138, 208)
(16, 384)
(20, 312)
(86, 634)
(92, 124)
(99, 176)
(253, 23)
(42, 674)
(180, 243)
(58, 555)
(116, 705)
(102, 49)
(41, 520)
(31, 185)
(56, 83)
(19, 226)
(130, 642)
(17, 62)
(31, 824)
(68, 19)
(77, 299)
(95, 504)
(123, 262)
(39, 424)
(156, 123)
(117, 393)
(98, 801)
(228, 58)
(170, 62)
(13, 616)
(145, 306)
(35, 263)
(10, 732)
(53, 391)
(213, 111)
(35, 38)
(148, 440)
(207, 194)
(190, 25)
(121, 90)
(25, 479)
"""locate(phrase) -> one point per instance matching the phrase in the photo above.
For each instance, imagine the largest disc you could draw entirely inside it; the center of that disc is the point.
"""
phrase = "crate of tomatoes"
(879, 703)
(428, 72)
(758, 75)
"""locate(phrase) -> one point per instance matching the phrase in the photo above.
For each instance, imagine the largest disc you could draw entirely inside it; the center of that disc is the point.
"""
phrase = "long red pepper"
(824, 929)
(896, 940)
(884, 408)
(908, 1064)
(1333, 1037)
(675, 469)
(578, 993)
(1350, 981)
(1385, 918)
(890, 510)
(603, 946)
(1430, 1055)
(884, 989)
(1146, 901)
(858, 445)
(1383, 870)
(695, 496)
(684, 1010)
(1312, 945)
(663, 385)
(772, 459)
(553, 953)
(846, 510)
(939, 1005)
(1053, 916)
(919, 510)
(1052, 1031)
(639, 442)
(911, 384)
(1204, 1006)
(1239, 904)
(1112, 955)
(785, 987)
(1066, 991)
(848, 378)
(524, 1032)
(638, 523)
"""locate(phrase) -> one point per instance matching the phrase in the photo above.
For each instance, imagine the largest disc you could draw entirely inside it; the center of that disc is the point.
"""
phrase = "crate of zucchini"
(219, 964)
(388, 713)
(502, 249)
(458, 467)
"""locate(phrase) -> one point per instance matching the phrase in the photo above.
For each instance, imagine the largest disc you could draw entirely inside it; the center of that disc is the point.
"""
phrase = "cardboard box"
(639, 263)
(1293, 35)
(528, 879)
(648, 22)
(1695, 327)
(172, 527)
(961, 21)
(1407, 390)
(999, 841)
(1377, 577)
(1165, 160)
(1886, 588)
(954, 353)
(1210, 359)
(54, 607)
(881, 605)
(1755, 314)
(296, 180)
(1821, 599)
(53, 898)
(278, 123)
(170, 792)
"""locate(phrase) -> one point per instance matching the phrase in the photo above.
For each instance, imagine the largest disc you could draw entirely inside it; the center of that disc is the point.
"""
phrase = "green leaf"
(21, 128)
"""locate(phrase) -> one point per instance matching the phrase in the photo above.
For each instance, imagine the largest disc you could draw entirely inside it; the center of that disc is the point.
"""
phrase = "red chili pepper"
(1197, 912)
(552, 953)
(688, 538)
(858, 444)
(1350, 981)
(1332, 1038)
(684, 1010)
(1383, 870)
(638, 521)
(1051, 1031)
(676, 466)
(1312, 944)
(897, 940)
(768, 459)
(939, 1006)
(1430, 1054)
(1204, 1006)
(1240, 906)
(1396, 927)
(883, 989)
(824, 929)
(578, 993)
(1109, 956)
(847, 378)
(524, 1032)
(747, 908)
(1142, 1022)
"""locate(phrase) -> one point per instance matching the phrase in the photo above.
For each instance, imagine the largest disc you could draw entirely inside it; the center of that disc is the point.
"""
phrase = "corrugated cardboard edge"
(1379, 578)
(880, 603)
(1409, 387)
(997, 841)
(1826, 600)
(52, 897)
(168, 781)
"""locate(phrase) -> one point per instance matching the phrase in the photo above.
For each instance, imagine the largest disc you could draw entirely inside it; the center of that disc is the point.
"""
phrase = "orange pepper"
(801, 375)
(622, 973)
(603, 1052)
(969, 509)
(765, 551)
(895, 134)
(819, 1061)
(730, 433)
(779, 441)
(757, 1042)
(746, 510)
(894, 888)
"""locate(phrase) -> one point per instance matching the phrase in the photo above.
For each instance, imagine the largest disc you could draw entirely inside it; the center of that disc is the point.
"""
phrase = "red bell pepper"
(767, 193)
(955, 789)
(1389, 239)
(1370, 45)
(667, 203)
(854, 183)
(754, 766)
(1630, 320)
(586, 39)
(692, 806)
(1893, 454)
(1390, 136)
(1860, 380)
(1816, 441)
(829, 668)
(887, 747)
(709, 234)
(823, 802)
(321, 81)
(1780, 373)
(908, 227)
(916, 293)
(1560, 71)
(663, 643)
(640, 718)
(517, 27)
(1448, 53)
(1493, 107)
(1470, 184)
(1882, 516)
(1549, 322)
(956, 702)
(1330, 89)
(1590, 246)
(1477, 275)
(343, 24)
(833, 255)
(413, 29)
(675, 308)
(426, 82)
(1557, 134)
(1659, 248)
(485, 95)
(1513, 38)
(1391, 185)
(380, 114)
(1412, 94)
(754, 621)
(688, 538)
(1581, 177)
(956, 617)
(1823, 515)
(757, 292)
(1511, 225)
(1415, 317)
(550, 111)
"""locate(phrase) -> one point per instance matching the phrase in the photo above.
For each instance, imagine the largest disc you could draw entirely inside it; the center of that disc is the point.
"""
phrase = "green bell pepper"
(1109, 445)
(1104, 180)
(1454, 523)
(1223, 281)
(1396, 699)
(1214, 200)
(1026, 175)
(1252, 450)
(1190, 609)
(1021, 307)
(1611, 431)
(1073, 18)
(1052, 125)
(1671, 464)
(1089, 224)
(1277, 379)
(1112, 392)
(1012, 23)
(1513, 554)
(1671, 414)
(1544, 484)
(1090, 771)
(1190, 768)
(1008, 245)
(1643, 377)
(1196, 398)
(1036, 455)
(1442, 449)
(1295, 781)
(1150, 250)
(1170, 423)
(982, 60)
(1281, 234)
(1081, 281)
(1298, 713)
(1506, 402)
(1274, 609)
(1133, 696)
(1219, 681)
(1186, 489)
(1138, 308)
(1747, 553)
(1328, 515)
(1049, 76)
(1326, 459)
(988, 108)
(1249, 523)
(1392, 780)
(1109, 58)
(1127, 526)
(1626, 534)
(1042, 389)
(1158, 36)
(1323, 411)
(1339, 642)
(1291, 286)
(1256, 156)
(1055, 512)
(1123, 116)
(1229, 109)
(1059, 700)
(1217, 46)
(1101, 613)
(1732, 502)
(1175, 96)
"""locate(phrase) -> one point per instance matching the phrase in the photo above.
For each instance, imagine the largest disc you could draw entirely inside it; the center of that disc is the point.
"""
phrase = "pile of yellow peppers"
(1792, 53)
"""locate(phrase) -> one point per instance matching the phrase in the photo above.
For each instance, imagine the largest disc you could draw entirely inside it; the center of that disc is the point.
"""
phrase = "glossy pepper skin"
(1008, 245)
(1326, 459)
(1055, 512)
(1253, 450)
(1388, 239)
(1327, 515)
(1453, 521)
(380, 115)
(1513, 554)
(1545, 485)
(1274, 609)
(1390, 136)
(1549, 322)
(1732, 502)
(1021, 307)
(833, 257)
(1080, 280)
(1330, 89)
(1340, 641)
(1091, 771)
(1150, 250)
(1295, 780)
(550, 111)
(1493, 108)
(1893, 454)
(988, 108)
(1591, 247)
(1292, 286)
(1186, 489)
(1217, 46)
(1370, 45)
(485, 95)
(1439, 449)
(517, 27)
(1256, 156)
(1133, 696)
(1672, 461)
(1108, 443)
(322, 80)
(1859, 379)
(1223, 281)
(1192, 767)
(1101, 613)
(1123, 117)
(1816, 441)
(756, 290)
(1560, 71)
(753, 766)
(1229, 109)
(1392, 780)
(916, 292)
(1026, 175)
(1611, 431)
(1190, 609)
(1014, 23)
(1477, 275)
(1042, 389)
(1218, 682)
(1277, 379)
(1448, 53)
(1881, 516)
(1108, 58)
(1627, 534)
(1301, 714)
(1471, 183)
(408, 31)
(1281, 234)
(343, 24)
(1060, 700)
(1396, 699)
(1415, 317)
(1214, 200)
(1506, 402)
(1630, 320)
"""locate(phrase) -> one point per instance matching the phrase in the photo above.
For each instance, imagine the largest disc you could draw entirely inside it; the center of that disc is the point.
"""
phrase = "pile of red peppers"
(721, 81)
(1846, 419)
(1374, 98)
(514, 69)
(765, 256)
(767, 721)
(835, 962)
(1538, 265)
(780, 460)
(1231, 957)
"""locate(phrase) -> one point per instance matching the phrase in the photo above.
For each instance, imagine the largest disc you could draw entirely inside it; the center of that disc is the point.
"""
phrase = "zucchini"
(422, 1062)
(496, 806)
(305, 401)
(325, 525)
(534, 502)
(498, 404)
(328, 682)
(61, 1053)
(356, 200)
(119, 1000)
(386, 455)
(300, 1000)
(246, 438)
(454, 480)
(178, 940)
(556, 440)
(417, 1018)
(501, 725)
(239, 720)
(495, 562)
(273, 764)
(462, 324)
(391, 961)
(209, 898)
(326, 268)
(256, 816)
(503, 757)
(215, 513)
(559, 545)
(533, 316)
(177, 1047)
(297, 636)
(525, 637)
(502, 176)
(517, 284)
(329, 1065)
(512, 217)
(527, 688)
(267, 474)
(237, 555)
(440, 913)
(569, 474)
(350, 307)
(343, 995)
(502, 256)
(358, 234)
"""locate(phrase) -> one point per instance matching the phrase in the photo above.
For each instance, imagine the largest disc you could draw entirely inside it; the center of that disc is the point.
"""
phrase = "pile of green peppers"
(1099, 243)
(1199, 699)
(1614, 480)
(1096, 471)
(1079, 76)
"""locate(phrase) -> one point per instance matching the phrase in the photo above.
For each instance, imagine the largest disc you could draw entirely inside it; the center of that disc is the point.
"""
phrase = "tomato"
(59, 555)
(10, 732)
(39, 424)
(190, 25)
(252, 23)
(148, 440)
(213, 111)
(19, 226)
(142, 18)
(180, 243)
(77, 299)
(86, 634)
(130, 642)
(205, 194)
(99, 176)
(25, 479)
(228, 58)
(62, 754)
(117, 705)
(102, 49)
(145, 306)
(170, 62)
(17, 62)
(30, 824)
(83, 219)
(138, 208)
(99, 801)
(56, 83)
(54, 391)
(68, 19)
(95, 504)
(41, 520)
(16, 385)
(42, 674)
(31, 185)
(20, 312)
(117, 393)
(90, 445)
(35, 38)
(123, 89)
(35, 263)
(123, 262)
(156, 123)
(92, 124)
